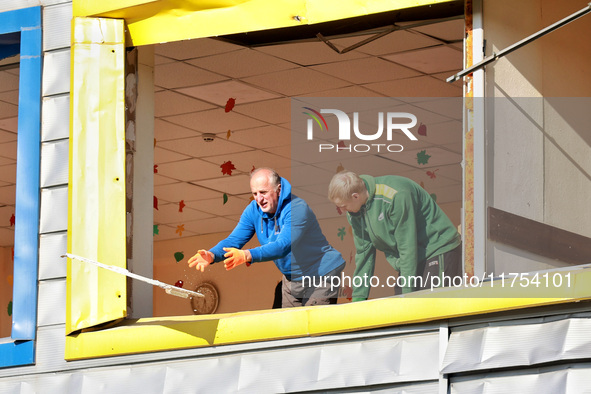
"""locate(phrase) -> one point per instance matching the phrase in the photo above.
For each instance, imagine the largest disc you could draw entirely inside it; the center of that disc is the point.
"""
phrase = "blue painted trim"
(21, 350)
(17, 353)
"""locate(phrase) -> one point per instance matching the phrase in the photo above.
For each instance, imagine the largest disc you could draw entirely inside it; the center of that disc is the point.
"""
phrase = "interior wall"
(6, 272)
(539, 150)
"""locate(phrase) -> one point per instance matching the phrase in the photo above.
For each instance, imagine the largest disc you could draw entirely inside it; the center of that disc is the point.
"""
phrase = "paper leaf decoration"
(252, 169)
(341, 233)
(340, 167)
(155, 168)
(228, 134)
(179, 283)
(341, 145)
(422, 184)
(10, 280)
(181, 205)
(179, 229)
(348, 293)
(422, 130)
(156, 229)
(227, 167)
(155, 202)
(423, 157)
(431, 174)
(225, 198)
(178, 256)
(9, 308)
(12, 220)
(230, 104)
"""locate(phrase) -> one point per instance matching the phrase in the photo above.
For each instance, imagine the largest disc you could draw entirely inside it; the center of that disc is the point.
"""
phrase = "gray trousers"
(294, 293)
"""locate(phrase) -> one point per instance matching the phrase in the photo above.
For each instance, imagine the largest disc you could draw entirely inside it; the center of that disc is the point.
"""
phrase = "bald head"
(265, 185)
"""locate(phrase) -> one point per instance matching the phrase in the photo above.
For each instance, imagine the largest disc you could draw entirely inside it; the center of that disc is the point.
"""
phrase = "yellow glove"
(201, 260)
(235, 257)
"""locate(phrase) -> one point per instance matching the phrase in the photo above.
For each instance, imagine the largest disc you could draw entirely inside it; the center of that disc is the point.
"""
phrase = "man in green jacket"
(397, 216)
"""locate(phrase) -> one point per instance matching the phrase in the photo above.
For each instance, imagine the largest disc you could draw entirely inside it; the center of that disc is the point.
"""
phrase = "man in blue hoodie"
(289, 235)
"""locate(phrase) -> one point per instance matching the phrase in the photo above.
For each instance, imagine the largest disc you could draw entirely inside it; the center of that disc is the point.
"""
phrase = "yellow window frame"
(96, 230)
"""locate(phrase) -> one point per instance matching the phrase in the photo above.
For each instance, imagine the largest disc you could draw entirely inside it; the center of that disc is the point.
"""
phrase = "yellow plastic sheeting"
(198, 331)
(153, 22)
(96, 222)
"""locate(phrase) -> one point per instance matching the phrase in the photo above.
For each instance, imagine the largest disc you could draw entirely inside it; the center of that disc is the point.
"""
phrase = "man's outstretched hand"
(235, 257)
(201, 260)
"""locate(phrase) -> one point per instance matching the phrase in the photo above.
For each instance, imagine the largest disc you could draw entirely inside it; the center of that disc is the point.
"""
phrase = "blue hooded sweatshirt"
(291, 237)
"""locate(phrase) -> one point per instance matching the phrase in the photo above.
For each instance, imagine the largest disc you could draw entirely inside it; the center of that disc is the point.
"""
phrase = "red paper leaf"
(155, 202)
(155, 168)
(230, 104)
(227, 168)
(423, 130)
(12, 220)
(181, 205)
(431, 174)
(179, 283)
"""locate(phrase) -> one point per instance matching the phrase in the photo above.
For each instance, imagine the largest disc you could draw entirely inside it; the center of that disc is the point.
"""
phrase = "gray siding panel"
(51, 247)
(56, 72)
(54, 210)
(52, 302)
(54, 163)
(56, 26)
(55, 123)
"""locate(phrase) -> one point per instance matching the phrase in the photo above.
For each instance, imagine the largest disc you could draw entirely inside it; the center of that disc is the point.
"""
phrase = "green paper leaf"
(9, 309)
(156, 230)
(423, 157)
(178, 256)
(341, 233)
(225, 198)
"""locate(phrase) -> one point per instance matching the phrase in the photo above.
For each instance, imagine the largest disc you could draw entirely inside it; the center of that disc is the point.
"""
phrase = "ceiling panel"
(164, 130)
(183, 191)
(162, 156)
(449, 31)
(269, 111)
(169, 213)
(197, 147)
(220, 93)
(242, 63)
(299, 81)
(366, 70)
(189, 170)
(234, 206)
(309, 53)
(429, 60)
(416, 87)
(398, 41)
(8, 81)
(245, 161)
(215, 121)
(263, 137)
(10, 124)
(229, 184)
(168, 102)
(178, 75)
(189, 49)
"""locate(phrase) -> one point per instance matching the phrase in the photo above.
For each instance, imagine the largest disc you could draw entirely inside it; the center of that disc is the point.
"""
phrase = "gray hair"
(343, 185)
(272, 175)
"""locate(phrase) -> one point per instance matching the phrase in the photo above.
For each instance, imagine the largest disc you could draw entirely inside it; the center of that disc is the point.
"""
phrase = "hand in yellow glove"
(235, 257)
(201, 260)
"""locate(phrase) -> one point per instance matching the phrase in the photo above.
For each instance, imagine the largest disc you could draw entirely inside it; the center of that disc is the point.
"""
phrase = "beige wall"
(6, 278)
(539, 142)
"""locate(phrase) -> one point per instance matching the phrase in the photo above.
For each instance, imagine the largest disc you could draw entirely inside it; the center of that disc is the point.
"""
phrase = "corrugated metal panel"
(54, 163)
(55, 122)
(51, 247)
(501, 346)
(56, 72)
(54, 210)
(399, 360)
(565, 379)
(9, 5)
(56, 26)
(52, 302)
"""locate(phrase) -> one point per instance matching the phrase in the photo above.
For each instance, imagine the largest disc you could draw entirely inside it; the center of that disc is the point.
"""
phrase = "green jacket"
(401, 219)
